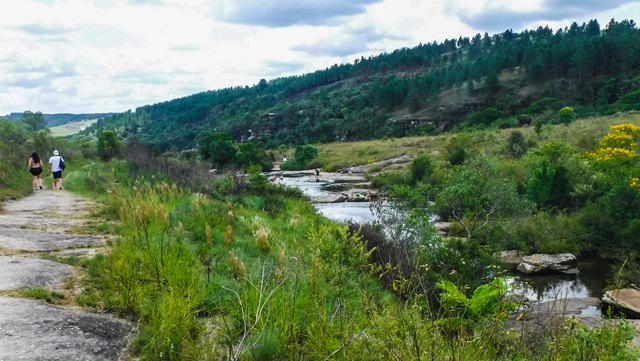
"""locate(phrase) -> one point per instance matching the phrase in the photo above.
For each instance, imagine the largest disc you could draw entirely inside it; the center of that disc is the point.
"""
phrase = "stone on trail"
(36, 241)
(23, 272)
(31, 330)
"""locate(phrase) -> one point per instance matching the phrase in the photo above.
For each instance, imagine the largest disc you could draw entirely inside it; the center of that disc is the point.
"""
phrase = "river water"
(589, 282)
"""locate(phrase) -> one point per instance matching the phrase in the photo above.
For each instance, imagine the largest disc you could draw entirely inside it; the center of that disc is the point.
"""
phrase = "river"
(590, 281)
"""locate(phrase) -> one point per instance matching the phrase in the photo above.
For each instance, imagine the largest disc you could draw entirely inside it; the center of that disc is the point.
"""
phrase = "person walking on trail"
(35, 168)
(56, 166)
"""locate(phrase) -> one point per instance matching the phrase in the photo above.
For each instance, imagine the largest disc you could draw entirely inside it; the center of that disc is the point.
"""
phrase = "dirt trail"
(30, 229)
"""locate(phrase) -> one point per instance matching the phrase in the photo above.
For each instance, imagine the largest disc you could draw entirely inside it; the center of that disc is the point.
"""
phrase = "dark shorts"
(35, 171)
(57, 175)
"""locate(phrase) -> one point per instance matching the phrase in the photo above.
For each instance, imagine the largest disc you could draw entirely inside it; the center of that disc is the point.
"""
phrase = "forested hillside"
(508, 79)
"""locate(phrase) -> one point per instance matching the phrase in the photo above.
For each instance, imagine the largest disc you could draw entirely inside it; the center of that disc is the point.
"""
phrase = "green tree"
(517, 145)
(476, 195)
(218, 148)
(109, 145)
(549, 185)
(250, 154)
(304, 154)
(33, 121)
(566, 115)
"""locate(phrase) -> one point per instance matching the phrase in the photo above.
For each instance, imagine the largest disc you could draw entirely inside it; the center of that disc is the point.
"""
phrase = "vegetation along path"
(32, 229)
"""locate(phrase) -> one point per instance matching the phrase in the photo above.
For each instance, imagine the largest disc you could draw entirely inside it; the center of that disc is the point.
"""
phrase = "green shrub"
(544, 104)
(517, 145)
(566, 115)
(545, 232)
(109, 146)
(421, 168)
(483, 117)
(629, 101)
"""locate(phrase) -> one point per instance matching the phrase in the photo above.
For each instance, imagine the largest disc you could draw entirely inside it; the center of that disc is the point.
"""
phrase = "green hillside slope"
(503, 80)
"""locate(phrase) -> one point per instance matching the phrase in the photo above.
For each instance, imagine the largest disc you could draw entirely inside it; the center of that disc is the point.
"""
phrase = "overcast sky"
(80, 56)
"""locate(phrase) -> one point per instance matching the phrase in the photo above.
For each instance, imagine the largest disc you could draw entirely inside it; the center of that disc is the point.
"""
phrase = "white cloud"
(114, 55)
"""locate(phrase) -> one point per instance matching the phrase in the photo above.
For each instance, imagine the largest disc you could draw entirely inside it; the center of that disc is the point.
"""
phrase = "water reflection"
(590, 282)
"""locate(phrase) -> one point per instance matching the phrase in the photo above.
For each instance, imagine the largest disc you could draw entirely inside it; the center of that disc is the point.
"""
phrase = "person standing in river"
(55, 169)
(35, 168)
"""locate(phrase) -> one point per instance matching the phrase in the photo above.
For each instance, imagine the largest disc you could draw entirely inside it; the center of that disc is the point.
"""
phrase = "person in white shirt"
(56, 170)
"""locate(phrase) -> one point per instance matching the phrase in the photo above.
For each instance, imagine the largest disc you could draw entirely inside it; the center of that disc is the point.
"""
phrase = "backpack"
(62, 166)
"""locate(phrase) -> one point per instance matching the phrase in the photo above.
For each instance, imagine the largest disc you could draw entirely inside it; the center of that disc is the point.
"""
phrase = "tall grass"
(260, 276)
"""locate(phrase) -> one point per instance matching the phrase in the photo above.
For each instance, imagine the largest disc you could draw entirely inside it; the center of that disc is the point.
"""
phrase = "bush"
(483, 117)
(629, 101)
(421, 168)
(566, 115)
(544, 232)
(541, 105)
(109, 146)
(456, 149)
(516, 144)
(302, 158)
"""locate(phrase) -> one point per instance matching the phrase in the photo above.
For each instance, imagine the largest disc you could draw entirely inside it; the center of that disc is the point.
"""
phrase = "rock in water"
(512, 258)
(539, 262)
(626, 300)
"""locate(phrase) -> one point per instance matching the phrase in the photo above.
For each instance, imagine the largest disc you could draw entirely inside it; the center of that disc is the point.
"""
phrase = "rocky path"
(30, 229)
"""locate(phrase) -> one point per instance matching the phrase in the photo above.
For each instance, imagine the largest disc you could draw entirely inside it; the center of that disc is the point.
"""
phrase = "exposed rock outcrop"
(512, 258)
(26, 272)
(402, 160)
(539, 262)
(626, 300)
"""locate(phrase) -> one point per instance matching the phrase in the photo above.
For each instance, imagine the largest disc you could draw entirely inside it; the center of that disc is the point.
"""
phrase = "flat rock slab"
(539, 262)
(568, 306)
(625, 299)
(45, 209)
(81, 252)
(24, 272)
(33, 240)
(31, 330)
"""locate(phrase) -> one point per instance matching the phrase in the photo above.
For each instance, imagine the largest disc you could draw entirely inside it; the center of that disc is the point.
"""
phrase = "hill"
(72, 128)
(503, 80)
(54, 120)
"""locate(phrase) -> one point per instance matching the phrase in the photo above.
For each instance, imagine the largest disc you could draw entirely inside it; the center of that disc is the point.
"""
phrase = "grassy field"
(582, 134)
(71, 128)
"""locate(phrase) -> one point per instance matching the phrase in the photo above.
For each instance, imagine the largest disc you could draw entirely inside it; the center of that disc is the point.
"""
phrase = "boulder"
(539, 262)
(334, 198)
(359, 195)
(512, 258)
(442, 227)
(626, 300)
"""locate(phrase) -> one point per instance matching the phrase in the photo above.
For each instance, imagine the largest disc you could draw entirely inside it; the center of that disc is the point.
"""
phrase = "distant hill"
(54, 120)
(499, 80)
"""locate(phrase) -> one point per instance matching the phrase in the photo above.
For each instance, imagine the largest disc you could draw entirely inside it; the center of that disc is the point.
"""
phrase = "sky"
(82, 56)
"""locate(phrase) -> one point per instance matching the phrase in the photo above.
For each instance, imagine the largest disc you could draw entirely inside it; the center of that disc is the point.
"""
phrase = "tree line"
(591, 69)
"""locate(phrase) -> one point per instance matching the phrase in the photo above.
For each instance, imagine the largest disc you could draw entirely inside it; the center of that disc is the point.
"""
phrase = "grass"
(71, 128)
(582, 133)
(258, 276)
(42, 294)
(16, 185)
